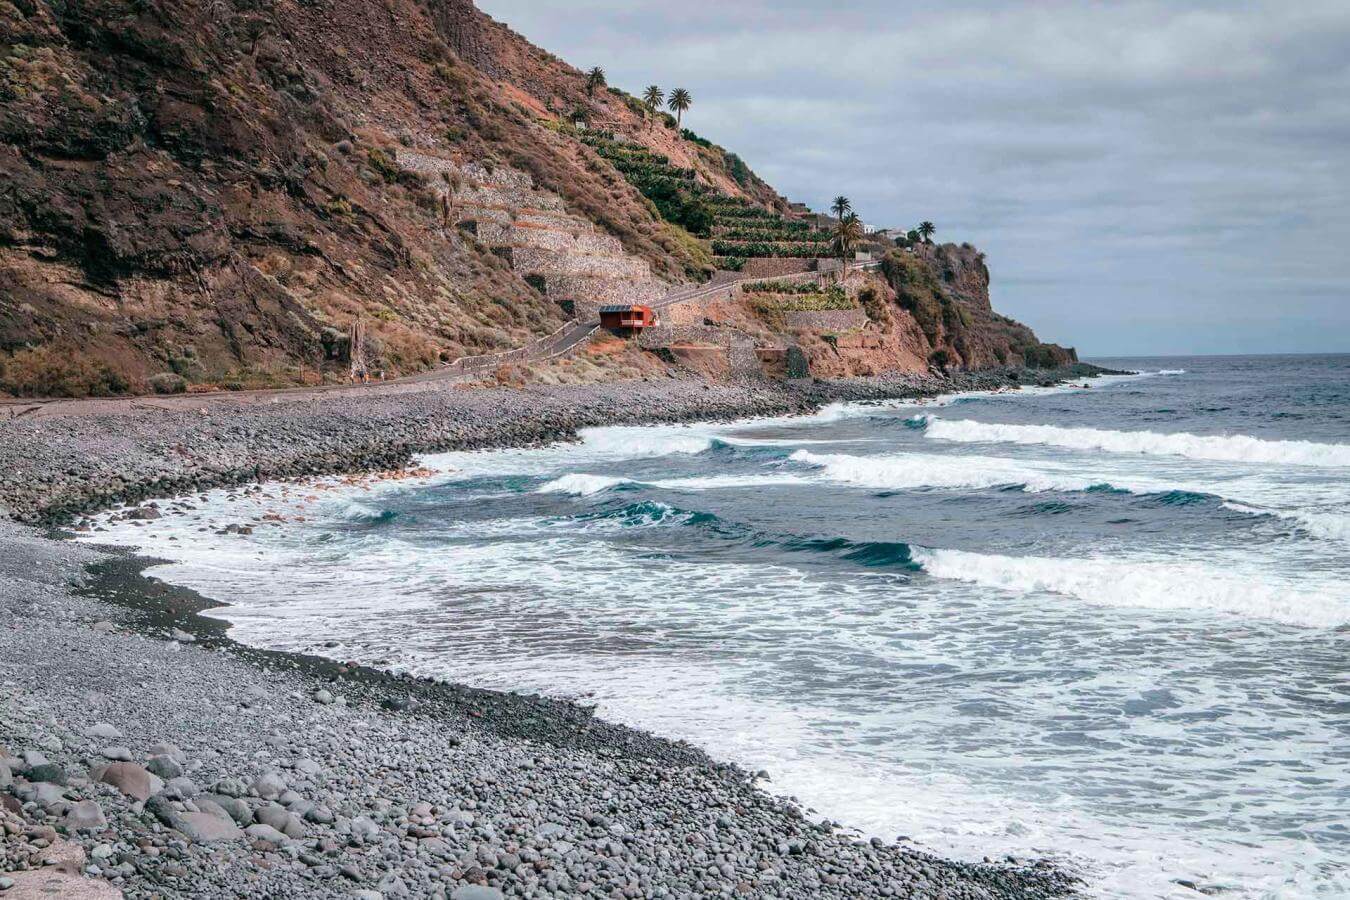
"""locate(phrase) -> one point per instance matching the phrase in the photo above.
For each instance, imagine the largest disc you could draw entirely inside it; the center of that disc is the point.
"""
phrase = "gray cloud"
(1146, 177)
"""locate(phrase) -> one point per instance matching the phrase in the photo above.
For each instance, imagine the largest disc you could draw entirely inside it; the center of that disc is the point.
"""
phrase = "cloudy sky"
(1146, 177)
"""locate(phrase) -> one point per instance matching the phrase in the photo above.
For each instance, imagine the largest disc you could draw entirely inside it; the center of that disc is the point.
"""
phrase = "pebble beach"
(145, 754)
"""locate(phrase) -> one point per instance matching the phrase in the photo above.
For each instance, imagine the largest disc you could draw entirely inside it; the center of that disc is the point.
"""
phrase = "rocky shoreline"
(144, 752)
(55, 467)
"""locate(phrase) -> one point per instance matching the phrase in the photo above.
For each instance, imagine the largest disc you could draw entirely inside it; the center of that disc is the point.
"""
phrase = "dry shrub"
(60, 372)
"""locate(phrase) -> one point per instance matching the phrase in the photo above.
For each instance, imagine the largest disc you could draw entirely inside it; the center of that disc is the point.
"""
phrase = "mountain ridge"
(210, 194)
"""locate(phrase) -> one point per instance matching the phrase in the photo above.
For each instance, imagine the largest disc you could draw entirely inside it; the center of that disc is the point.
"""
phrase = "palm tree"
(926, 231)
(679, 103)
(595, 78)
(840, 206)
(848, 234)
(653, 97)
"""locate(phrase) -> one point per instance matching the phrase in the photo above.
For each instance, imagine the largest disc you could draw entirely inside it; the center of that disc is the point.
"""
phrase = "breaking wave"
(634, 442)
(915, 471)
(1153, 584)
(355, 511)
(1218, 448)
(581, 485)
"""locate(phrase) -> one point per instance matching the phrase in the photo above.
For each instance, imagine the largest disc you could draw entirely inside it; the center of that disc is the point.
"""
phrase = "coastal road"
(560, 343)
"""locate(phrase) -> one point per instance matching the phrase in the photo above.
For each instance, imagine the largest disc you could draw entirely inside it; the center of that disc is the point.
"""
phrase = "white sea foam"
(1171, 371)
(579, 484)
(1152, 584)
(1332, 526)
(1218, 448)
(912, 471)
(629, 442)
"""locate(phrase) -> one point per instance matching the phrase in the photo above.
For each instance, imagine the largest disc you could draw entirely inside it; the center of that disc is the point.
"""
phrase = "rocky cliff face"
(210, 189)
(211, 192)
(944, 290)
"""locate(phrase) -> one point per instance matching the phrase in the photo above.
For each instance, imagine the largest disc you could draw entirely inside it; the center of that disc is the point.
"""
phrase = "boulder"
(476, 892)
(229, 787)
(131, 779)
(103, 731)
(181, 789)
(236, 808)
(44, 883)
(85, 816)
(171, 751)
(48, 772)
(120, 754)
(269, 787)
(207, 828)
(165, 767)
(266, 833)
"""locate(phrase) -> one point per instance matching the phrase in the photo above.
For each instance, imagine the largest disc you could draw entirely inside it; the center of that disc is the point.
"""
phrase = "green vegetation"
(917, 291)
(765, 250)
(926, 230)
(652, 98)
(841, 206)
(673, 190)
(848, 234)
(833, 298)
(57, 371)
(737, 227)
(679, 102)
(781, 287)
(695, 139)
(595, 78)
(772, 234)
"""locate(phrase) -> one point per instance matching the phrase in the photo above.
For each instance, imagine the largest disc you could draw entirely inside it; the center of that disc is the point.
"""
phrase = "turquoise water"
(1104, 624)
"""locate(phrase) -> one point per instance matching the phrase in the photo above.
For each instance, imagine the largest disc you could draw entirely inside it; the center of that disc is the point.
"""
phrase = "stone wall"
(550, 262)
(772, 268)
(531, 229)
(742, 358)
(826, 319)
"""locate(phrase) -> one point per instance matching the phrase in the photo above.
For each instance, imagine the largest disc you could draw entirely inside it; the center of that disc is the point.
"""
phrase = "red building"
(627, 317)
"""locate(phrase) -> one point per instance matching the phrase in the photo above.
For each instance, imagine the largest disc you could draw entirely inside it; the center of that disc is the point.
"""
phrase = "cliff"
(944, 290)
(212, 193)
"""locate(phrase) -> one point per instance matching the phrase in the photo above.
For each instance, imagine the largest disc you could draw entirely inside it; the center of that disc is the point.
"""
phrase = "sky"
(1146, 178)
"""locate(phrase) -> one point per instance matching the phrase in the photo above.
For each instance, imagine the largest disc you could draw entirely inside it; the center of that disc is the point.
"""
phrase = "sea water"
(1110, 625)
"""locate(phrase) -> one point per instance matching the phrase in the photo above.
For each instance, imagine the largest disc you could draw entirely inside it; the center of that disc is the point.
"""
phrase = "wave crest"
(1163, 585)
(1217, 448)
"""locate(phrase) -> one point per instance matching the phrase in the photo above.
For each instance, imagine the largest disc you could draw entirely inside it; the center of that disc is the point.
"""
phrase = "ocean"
(1106, 624)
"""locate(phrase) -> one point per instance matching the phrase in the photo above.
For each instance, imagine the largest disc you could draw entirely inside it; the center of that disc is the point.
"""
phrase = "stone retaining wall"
(741, 356)
(548, 262)
(772, 268)
(581, 243)
(826, 319)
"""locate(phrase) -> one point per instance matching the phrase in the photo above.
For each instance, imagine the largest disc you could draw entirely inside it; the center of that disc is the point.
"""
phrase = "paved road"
(560, 343)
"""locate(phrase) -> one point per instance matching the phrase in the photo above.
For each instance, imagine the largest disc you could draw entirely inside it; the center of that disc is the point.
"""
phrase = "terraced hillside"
(218, 195)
